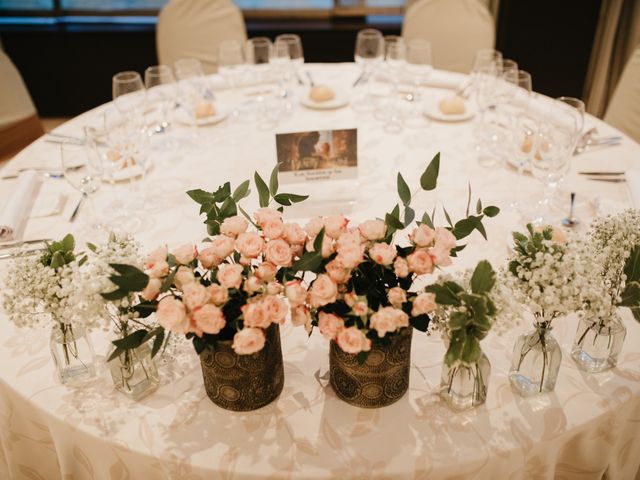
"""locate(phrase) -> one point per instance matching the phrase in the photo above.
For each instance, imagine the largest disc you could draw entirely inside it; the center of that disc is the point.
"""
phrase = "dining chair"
(623, 111)
(195, 28)
(457, 29)
(19, 121)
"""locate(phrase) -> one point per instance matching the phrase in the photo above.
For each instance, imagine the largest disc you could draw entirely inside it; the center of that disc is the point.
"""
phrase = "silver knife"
(77, 209)
(21, 253)
(612, 180)
(18, 243)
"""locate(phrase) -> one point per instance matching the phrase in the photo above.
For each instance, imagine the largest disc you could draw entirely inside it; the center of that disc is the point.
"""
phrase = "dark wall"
(68, 68)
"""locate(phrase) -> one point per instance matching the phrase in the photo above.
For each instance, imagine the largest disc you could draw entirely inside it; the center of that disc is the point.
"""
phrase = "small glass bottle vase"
(598, 343)
(72, 352)
(464, 386)
(135, 373)
(536, 361)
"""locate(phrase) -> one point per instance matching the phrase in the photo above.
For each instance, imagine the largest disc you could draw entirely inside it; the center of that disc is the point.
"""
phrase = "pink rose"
(278, 252)
(323, 291)
(383, 321)
(327, 246)
(152, 290)
(423, 236)
(185, 253)
(295, 292)
(397, 296)
(275, 308)
(360, 308)
(249, 244)
(440, 256)
(172, 315)
(273, 228)
(266, 271)
(294, 234)
(350, 250)
(234, 226)
(300, 316)
(230, 275)
(194, 295)
(329, 325)
(401, 267)
(314, 226)
(382, 253)
(265, 214)
(184, 276)
(248, 341)
(252, 284)
(219, 294)
(352, 340)
(420, 262)
(209, 319)
(274, 288)
(157, 268)
(255, 315)
(208, 258)
(349, 238)
(222, 245)
(445, 239)
(158, 254)
(337, 271)
(373, 229)
(350, 299)
(423, 303)
(334, 225)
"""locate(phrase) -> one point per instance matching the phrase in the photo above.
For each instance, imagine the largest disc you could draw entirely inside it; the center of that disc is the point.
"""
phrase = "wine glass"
(128, 91)
(418, 67)
(195, 96)
(391, 111)
(231, 61)
(161, 94)
(296, 54)
(578, 106)
(281, 64)
(486, 57)
(369, 52)
(258, 50)
(524, 145)
(556, 141)
(85, 179)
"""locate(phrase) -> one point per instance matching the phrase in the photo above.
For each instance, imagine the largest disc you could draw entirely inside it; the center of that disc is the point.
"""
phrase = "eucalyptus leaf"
(263, 190)
(242, 191)
(429, 178)
(273, 181)
(491, 211)
(403, 190)
(68, 243)
(483, 278)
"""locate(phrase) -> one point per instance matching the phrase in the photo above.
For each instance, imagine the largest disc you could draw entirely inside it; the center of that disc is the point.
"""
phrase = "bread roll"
(452, 105)
(204, 108)
(321, 93)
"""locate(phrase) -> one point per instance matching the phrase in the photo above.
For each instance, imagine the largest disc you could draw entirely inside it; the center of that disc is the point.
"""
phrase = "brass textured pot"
(381, 380)
(244, 382)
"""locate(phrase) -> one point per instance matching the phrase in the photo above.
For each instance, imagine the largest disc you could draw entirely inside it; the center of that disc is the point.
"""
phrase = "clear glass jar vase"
(135, 373)
(598, 343)
(72, 352)
(536, 362)
(464, 386)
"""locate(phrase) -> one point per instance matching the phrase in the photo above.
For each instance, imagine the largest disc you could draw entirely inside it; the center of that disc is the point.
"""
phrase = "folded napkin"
(633, 182)
(444, 79)
(16, 210)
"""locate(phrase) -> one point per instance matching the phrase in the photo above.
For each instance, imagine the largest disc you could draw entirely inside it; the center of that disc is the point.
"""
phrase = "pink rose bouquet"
(362, 290)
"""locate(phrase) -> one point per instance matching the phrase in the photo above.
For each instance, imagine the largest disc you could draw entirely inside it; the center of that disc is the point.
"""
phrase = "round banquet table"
(588, 427)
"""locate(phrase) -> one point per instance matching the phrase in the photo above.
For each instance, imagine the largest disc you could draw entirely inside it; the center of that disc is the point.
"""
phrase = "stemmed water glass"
(391, 111)
(418, 66)
(258, 51)
(161, 94)
(85, 179)
(128, 92)
(579, 112)
(231, 62)
(369, 52)
(296, 54)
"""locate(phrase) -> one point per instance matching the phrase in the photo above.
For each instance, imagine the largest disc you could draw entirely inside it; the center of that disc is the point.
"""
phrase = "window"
(26, 4)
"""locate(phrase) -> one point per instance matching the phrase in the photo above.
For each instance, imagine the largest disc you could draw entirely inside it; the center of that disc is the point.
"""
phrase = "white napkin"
(16, 210)
(633, 182)
(47, 204)
(443, 79)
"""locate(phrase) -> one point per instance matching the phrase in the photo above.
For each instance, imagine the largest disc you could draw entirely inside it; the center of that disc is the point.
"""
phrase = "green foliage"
(128, 279)
(311, 261)
(403, 190)
(528, 246)
(60, 253)
(470, 313)
(429, 178)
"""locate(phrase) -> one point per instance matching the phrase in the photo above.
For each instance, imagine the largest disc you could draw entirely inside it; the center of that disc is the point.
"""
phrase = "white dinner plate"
(432, 111)
(185, 118)
(340, 100)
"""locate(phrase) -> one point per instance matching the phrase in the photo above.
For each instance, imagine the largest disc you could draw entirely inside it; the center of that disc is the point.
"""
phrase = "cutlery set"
(12, 249)
(612, 177)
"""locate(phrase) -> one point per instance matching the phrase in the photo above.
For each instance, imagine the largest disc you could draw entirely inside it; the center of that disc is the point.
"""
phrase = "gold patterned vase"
(244, 382)
(382, 379)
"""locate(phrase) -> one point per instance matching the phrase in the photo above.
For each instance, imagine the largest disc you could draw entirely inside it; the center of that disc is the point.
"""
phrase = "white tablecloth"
(587, 427)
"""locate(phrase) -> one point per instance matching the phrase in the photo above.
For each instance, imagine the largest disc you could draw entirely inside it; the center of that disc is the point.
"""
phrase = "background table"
(589, 425)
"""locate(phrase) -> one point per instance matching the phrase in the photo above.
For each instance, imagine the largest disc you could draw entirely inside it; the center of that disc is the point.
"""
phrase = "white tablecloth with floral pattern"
(586, 429)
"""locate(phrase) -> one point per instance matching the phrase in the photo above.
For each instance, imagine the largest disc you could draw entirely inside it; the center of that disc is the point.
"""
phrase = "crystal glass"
(194, 94)
(231, 62)
(281, 63)
(296, 53)
(83, 170)
(418, 67)
(257, 53)
(598, 343)
(390, 109)
(135, 373)
(128, 91)
(536, 362)
(579, 107)
(486, 57)
(369, 52)
(465, 386)
(161, 95)
(72, 352)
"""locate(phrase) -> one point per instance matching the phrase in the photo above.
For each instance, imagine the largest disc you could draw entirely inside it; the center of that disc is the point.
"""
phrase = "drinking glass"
(281, 64)
(390, 111)
(418, 67)
(578, 110)
(556, 141)
(128, 91)
(161, 95)
(486, 57)
(369, 52)
(231, 62)
(296, 54)
(85, 179)
(524, 145)
(194, 94)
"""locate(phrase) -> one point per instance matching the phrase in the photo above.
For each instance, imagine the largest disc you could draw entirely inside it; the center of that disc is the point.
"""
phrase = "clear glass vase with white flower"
(40, 291)
(226, 294)
(469, 305)
(612, 246)
(356, 286)
(546, 274)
